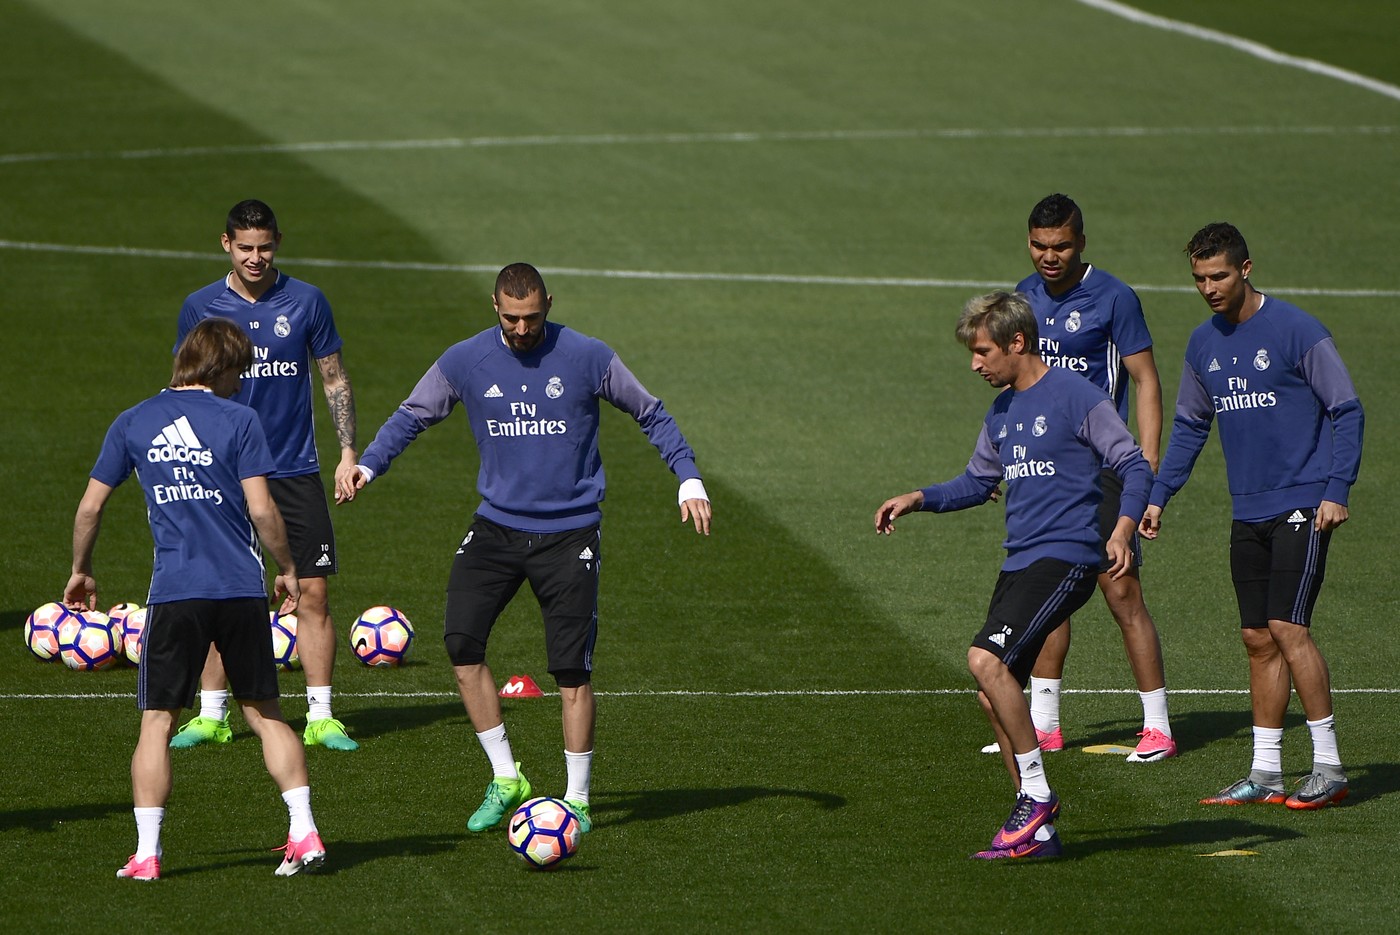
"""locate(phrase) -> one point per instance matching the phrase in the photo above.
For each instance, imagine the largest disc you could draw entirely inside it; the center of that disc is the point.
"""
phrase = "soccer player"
(203, 464)
(531, 389)
(1092, 323)
(1290, 427)
(290, 324)
(1046, 436)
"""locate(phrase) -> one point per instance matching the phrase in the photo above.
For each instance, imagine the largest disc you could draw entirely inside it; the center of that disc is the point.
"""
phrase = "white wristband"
(365, 472)
(693, 489)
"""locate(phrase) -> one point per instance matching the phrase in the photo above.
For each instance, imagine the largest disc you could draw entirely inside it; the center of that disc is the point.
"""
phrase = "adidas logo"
(1214, 366)
(999, 639)
(1297, 518)
(586, 554)
(178, 442)
(493, 393)
(323, 561)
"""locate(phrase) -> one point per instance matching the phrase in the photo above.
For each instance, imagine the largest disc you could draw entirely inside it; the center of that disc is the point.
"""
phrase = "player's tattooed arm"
(340, 397)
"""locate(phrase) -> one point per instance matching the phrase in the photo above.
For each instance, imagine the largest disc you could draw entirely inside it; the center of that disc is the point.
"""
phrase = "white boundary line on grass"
(688, 693)
(638, 274)
(1247, 46)
(652, 139)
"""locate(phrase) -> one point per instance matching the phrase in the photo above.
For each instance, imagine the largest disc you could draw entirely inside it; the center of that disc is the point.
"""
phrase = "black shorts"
(1278, 566)
(1110, 508)
(302, 503)
(176, 643)
(1027, 605)
(562, 568)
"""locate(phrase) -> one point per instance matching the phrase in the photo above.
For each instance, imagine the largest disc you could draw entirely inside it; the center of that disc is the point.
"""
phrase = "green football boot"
(583, 813)
(199, 730)
(328, 733)
(503, 796)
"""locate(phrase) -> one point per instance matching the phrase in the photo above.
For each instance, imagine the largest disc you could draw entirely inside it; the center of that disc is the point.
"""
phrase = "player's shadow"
(626, 806)
(1192, 730)
(1208, 833)
(343, 854)
(368, 723)
(48, 819)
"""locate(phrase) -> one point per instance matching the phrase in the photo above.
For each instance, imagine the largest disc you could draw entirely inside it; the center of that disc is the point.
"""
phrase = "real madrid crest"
(283, 327)
(1261, 359)
(1073, 322)
(554, 388)
(1038, 429)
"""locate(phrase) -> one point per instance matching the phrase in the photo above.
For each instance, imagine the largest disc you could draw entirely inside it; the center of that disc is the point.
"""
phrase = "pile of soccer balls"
(89, 640)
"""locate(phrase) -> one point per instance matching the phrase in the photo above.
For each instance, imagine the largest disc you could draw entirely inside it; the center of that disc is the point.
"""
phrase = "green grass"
(589, 138)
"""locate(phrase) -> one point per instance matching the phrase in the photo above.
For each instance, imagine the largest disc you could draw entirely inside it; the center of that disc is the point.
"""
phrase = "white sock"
(1045, 704)
(213, 704)
(318, 702)
(1154, 711)
(300, 822)
(580, 766)
(1033, 780)
(148, 822)
(1268, 751)
(497, 747)
(1324, 738)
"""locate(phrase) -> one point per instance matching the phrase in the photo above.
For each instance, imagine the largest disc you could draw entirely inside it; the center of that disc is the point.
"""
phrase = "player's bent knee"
(572, 678)
(462, 650)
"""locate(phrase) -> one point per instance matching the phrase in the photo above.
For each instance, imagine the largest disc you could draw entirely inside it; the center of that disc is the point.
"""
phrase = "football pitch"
(773, 212)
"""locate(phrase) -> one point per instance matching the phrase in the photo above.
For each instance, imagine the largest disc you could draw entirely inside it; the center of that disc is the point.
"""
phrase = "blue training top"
(1048, 444)
(290, 325)
(535, 418)
(1290, 421)
(191, 451)
(1090, 329)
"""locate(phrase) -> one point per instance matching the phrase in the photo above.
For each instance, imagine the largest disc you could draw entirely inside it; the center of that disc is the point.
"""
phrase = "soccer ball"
(88, 641)
(41, 630)
(543, 831)
(381, 636)
(130, 620)
(284, 642)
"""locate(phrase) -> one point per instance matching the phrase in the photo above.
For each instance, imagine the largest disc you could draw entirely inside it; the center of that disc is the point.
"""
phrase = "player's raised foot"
(1027, 816)
(1317, 791)
(583, 813)
(1154, 745)
(200, 730)
(328, 733)
(1038, 846)
(1246, 792)
(143, 870)
(503, 796)
(1050, 741)
(307, 855)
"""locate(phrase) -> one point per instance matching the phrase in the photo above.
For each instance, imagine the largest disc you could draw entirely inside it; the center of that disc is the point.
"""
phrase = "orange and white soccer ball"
(284, 642)
(88, 641)
(381, 636)
(130, 620)
(41, 629)
(544, 831)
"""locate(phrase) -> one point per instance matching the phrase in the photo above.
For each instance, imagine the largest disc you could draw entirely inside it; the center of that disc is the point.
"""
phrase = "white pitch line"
(672, 139)
(641, 274)
(687, 693)
(1247, 46)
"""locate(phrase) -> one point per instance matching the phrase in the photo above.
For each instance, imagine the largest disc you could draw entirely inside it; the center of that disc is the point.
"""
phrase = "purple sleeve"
(323, 339)
(1108, 435)
(1130, 333)
(1190, 429)
(113, 466)
(430, 402)
(1322, 367)
(189, 317)
(623, 390)
(254, 457)
(973, 486)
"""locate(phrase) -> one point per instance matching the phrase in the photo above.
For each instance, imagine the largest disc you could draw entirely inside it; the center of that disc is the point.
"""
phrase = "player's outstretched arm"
(340, 399)
(896, 507)
(81, 590)
(695, 504)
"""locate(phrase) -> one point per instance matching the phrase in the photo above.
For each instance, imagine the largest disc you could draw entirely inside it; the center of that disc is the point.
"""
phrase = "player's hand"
(348, 480)
(1329, 516)
(288, 589)
(995, 494)
(697, 511)
(1151, 523)
(896, 507)
(1120, 553)
(80, 592)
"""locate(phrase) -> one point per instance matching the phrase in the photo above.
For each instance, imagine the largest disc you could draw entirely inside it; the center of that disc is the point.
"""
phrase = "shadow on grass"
(1223, 833)
(1192, 730)
(48, 819)
(660, 804)
(341, 854)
